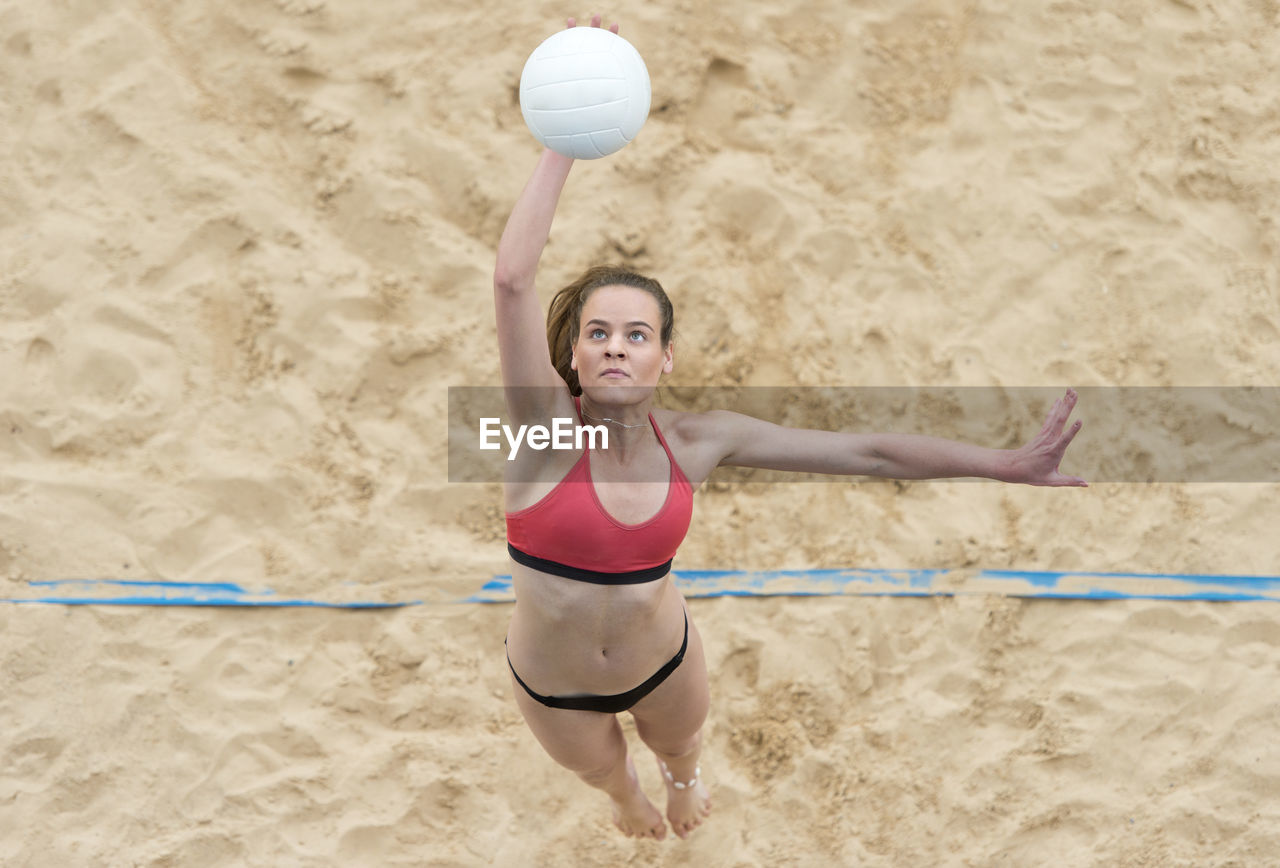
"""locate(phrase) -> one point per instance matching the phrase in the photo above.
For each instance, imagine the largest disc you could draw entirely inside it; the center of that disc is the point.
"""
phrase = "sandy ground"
(246, 247)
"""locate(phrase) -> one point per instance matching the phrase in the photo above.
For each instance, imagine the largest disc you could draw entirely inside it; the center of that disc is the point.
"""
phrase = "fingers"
(1070, 435)
(1063, 407)
(1068, 402)
(1058, 417)
(1065, 440)
(1059, 413)
(595, 22)
(1058, 479)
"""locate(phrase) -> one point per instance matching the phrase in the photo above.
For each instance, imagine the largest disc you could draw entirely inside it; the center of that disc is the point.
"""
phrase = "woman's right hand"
(595, 22)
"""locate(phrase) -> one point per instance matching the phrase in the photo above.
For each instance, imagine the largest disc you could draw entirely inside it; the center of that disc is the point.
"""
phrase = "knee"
(600, 764)
(674, 747)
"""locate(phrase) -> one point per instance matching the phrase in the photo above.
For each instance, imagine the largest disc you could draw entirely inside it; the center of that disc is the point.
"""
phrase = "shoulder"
(707, 425)
(688, 428)
(701, 441)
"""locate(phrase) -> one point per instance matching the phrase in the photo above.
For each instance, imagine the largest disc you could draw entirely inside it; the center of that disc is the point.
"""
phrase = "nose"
(616, 347)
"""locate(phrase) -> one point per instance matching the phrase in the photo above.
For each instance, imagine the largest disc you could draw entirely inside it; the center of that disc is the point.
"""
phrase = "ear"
(668, 361)
(573, 358)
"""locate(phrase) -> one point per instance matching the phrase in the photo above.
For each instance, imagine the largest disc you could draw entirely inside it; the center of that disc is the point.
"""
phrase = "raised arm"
(529, 225)
(534, 390)
(748, 442)
(530, 379)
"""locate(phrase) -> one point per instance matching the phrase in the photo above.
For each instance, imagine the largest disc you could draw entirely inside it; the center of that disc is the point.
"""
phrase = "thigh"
(670, 717)
(581, 741)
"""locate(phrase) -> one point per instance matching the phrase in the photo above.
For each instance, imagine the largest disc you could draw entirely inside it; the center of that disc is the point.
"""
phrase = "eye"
(597, 333)
(637, 334)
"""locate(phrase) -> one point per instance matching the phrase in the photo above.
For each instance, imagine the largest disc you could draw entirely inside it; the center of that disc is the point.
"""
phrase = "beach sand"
(245, 249)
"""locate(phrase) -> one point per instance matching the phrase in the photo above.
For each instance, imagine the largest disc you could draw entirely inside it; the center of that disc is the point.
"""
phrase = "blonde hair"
(564, 317)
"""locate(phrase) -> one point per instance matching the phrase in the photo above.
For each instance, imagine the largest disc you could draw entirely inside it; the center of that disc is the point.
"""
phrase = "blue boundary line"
(1076, 585)
(207, 594)
(726, 583)
(211, 603)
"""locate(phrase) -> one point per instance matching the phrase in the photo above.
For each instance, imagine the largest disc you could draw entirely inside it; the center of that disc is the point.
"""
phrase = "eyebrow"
(634, 322)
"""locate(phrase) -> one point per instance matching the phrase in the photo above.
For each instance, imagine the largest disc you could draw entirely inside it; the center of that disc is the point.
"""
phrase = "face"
(619, 345)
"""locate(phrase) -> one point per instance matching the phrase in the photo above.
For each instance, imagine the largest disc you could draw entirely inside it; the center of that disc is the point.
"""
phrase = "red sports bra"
(568, 533)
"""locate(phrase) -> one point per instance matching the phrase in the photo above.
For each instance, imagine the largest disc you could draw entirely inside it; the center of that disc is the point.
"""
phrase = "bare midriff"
(569, 637)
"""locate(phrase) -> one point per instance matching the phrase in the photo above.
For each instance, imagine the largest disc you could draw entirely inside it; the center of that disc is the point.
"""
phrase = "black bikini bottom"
(615, 703)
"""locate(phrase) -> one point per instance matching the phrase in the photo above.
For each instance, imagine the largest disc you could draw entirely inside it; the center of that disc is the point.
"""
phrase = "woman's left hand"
(1037, 462)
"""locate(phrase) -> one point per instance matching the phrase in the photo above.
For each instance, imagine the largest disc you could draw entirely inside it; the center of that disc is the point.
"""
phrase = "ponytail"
(564, 317)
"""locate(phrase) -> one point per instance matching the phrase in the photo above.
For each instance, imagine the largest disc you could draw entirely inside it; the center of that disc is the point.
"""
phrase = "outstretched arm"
(748, 442)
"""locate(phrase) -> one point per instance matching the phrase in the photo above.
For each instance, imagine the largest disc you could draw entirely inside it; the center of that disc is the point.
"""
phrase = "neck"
(626, 424)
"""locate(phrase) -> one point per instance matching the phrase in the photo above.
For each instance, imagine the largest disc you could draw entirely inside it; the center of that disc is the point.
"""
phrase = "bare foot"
(687, 807)
(634, 814)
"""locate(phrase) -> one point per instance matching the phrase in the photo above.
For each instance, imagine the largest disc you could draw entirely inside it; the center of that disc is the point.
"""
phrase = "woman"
(599, 627)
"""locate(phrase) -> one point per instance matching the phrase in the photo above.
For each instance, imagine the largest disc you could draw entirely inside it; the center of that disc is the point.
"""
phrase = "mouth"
(614, 374)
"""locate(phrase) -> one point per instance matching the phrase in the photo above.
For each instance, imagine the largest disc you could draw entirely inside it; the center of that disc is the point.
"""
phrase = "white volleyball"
(584, 92)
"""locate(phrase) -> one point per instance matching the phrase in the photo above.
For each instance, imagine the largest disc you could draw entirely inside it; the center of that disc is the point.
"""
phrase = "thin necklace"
(614, 421)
